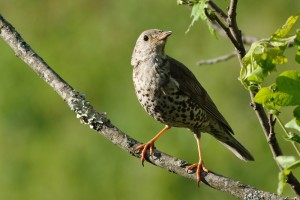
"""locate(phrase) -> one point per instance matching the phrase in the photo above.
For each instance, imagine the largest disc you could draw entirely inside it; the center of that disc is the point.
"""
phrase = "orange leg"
(150, 144)
(199, 165)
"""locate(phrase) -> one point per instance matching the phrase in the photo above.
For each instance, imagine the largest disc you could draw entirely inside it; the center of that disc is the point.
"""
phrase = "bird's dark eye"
(146, 38)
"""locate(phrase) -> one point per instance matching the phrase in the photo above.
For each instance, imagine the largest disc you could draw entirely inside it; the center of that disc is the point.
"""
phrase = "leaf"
(293, 124)
(281, 182)
(288, 83)
(198, 11)
(293, 138)
(265, 54)
(264, 95)
(282, 177)
(288, 162)
(286, 92)
(297, 45)
(269, 99)
(296, 113)
(285, 29)
(297, 57)
(261, 60)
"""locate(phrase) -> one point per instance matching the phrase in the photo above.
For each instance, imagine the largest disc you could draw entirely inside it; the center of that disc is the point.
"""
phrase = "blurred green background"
(45, 153)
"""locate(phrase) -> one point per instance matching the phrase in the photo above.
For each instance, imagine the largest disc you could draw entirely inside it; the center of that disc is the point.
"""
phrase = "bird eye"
(146, 38)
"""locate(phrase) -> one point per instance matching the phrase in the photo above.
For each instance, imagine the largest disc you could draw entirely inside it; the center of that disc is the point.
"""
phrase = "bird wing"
(189, 85)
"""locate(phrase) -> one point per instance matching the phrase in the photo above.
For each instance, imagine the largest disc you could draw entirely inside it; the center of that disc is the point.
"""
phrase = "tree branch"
(101, 123)
(217, 59)
(234, 29)
(235, 35)
(217, 10)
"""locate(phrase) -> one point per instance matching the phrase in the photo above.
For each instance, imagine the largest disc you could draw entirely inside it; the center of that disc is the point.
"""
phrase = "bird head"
(150, 43)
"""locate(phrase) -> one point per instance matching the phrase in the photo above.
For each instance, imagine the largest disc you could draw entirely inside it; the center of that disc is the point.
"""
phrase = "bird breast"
(161, 97)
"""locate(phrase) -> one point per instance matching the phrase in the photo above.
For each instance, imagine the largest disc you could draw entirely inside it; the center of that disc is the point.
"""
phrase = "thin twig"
(272, 140)
(100, 123)
(232, 24)
(275, 148)
(216, 19)
(217, 10)
(217, 59)
(288, 135)
(235, 35)
(235, 31)
(247, 39)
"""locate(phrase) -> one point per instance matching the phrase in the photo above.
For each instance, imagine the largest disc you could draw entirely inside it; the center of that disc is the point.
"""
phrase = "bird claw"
(144, 147)
(199, 166)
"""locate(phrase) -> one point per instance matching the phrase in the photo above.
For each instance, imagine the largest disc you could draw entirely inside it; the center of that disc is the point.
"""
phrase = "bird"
(172, 95)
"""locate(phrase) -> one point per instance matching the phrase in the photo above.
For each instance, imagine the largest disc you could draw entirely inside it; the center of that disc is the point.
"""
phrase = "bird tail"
(233, 145)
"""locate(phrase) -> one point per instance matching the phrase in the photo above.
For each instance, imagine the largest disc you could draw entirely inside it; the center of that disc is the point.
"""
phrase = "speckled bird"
(171, 94)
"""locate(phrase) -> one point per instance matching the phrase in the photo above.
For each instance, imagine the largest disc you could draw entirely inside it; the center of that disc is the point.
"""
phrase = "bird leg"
(150, 145)
(198, 165)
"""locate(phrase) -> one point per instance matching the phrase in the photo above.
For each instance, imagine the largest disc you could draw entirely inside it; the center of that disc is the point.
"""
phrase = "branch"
(217, 59)
(234, 29)
(247, 39)
(275, 148)
(267, 125)
(101, 123)
(217, 10)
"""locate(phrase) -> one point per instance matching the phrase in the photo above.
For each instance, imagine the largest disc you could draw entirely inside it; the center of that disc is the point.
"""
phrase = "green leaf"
(293, 138)
(288, 83)
(286, 92)
(264, 55)
(288, 162)
(281, 182)
(293, 124)
(297, 57)
(297, 45)
(269, 99)
(264, 95)
(198, 11)
(261, 60)
(285, 29)
(282, 177)
(296, 113)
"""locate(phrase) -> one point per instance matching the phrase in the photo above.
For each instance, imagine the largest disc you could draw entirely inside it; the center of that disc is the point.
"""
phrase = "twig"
(100, 123)
(217, 10)
(247, 39)
(230, 28)
(272, 140)
(288, 135)
(233, 27)
(216, 19)
(236, 33)
(217, 59)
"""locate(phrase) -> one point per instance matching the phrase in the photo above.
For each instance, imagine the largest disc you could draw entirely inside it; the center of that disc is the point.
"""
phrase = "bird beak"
(164, 35)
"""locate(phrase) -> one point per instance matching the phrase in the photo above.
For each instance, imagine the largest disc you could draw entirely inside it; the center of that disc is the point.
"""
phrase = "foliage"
(288, 163)
(199, 9)
(43, 148)
(259, 62)
(264, 55)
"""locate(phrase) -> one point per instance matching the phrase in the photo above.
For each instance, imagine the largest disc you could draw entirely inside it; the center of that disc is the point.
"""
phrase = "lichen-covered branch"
(101, 123)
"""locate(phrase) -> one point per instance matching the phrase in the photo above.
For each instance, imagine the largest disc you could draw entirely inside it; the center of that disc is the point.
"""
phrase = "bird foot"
(198, 166)
(144, 147)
